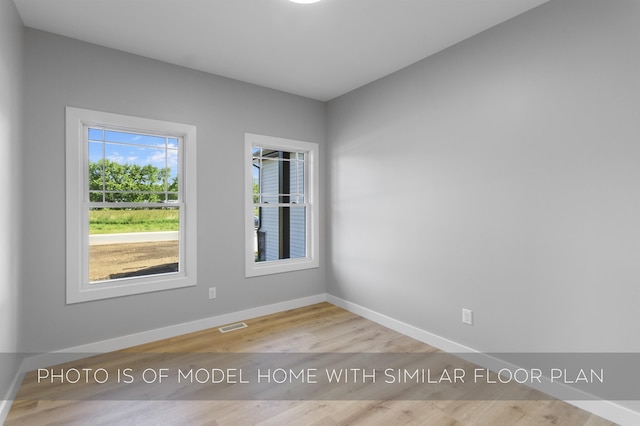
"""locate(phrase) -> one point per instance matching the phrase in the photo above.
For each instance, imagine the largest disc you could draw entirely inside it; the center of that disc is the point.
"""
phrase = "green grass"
(115, 221)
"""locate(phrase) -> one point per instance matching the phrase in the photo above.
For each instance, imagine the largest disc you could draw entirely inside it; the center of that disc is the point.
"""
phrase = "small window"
(281, 222)
(130, 205)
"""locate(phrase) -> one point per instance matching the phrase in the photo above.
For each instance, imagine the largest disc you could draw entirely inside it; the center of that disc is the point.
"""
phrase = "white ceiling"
(319, 51)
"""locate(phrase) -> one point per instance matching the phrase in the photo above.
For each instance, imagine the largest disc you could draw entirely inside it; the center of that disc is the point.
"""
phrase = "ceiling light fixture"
(304, 1)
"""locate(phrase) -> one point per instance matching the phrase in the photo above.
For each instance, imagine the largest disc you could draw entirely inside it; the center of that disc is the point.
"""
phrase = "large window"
(281, 206)
(130, 205)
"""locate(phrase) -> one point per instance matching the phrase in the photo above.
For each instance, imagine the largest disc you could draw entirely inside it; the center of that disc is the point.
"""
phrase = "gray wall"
(500, 175)
(11, 124)
(61, 72)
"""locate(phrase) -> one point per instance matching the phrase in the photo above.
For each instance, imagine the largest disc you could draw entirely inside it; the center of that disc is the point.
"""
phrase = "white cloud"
(158, 158)
(116, 157)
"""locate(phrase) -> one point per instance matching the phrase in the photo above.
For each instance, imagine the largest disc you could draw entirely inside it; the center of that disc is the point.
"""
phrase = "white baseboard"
(5, 405)
(74, 353)
(117, 343)
(434, 340)
(607, 409)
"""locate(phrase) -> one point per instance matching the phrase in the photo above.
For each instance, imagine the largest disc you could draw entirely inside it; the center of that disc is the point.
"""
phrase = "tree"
(129, 182)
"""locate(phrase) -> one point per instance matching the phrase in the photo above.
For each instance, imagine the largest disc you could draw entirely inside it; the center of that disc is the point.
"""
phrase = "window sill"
(127, 287)
(257, 269)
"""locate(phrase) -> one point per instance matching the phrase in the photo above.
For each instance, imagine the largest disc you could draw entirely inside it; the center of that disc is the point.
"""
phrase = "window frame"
(78, 287)
(311, 260)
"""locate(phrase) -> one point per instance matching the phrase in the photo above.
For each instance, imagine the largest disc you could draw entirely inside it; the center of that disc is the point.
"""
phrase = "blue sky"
(132, 148)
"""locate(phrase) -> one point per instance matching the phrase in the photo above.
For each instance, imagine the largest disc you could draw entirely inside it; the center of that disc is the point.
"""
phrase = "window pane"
(281, 233)
(96, 176)
(133, 242)
(133, 138)
(297, 177)
(270, 198)
(136, 168)
(279, 174)
(297, 199)
(96, 134)
(95, 152)
(96, 197)
(132, 173)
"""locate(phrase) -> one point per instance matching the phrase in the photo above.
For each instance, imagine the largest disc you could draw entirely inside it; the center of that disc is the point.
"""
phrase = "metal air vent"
(232, 327)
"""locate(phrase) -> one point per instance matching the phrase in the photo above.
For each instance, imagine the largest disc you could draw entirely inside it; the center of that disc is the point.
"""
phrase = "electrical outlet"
(212, 292)
(467, 316)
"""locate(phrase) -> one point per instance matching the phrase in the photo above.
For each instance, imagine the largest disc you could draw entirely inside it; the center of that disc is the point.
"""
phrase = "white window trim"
(253, 268)
(78, 288)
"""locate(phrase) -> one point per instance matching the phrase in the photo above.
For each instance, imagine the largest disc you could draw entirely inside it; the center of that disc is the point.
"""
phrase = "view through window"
(131, 205)
(134, 204)
(280, 207)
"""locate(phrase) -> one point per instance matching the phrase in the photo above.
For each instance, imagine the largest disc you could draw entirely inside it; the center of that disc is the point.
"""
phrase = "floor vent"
(228, 328)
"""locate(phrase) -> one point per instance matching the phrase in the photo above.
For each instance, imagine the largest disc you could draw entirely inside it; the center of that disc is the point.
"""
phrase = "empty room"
(330, 212)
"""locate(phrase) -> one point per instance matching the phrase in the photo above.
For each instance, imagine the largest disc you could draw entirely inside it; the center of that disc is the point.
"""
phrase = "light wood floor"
(321, 328)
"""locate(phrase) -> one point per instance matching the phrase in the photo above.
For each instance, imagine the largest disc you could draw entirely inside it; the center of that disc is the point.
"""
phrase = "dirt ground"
(111, 261)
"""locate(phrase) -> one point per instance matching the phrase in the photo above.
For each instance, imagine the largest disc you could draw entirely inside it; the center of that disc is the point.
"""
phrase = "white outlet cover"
(467, 316)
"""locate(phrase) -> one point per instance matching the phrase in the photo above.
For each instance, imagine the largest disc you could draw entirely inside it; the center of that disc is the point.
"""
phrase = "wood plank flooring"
(321, 328)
